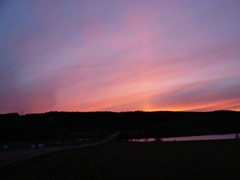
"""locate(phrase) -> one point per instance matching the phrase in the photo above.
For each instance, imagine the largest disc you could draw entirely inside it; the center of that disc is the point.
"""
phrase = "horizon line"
(135, 111)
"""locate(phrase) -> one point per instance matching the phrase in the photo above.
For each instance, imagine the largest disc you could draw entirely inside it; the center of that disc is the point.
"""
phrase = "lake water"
(190, 138)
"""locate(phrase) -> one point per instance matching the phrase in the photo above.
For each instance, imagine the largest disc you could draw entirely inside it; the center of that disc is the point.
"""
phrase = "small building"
(5, 146)
(40, 145)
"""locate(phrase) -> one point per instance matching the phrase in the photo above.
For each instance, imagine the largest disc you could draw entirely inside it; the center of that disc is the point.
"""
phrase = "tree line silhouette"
(138, 124)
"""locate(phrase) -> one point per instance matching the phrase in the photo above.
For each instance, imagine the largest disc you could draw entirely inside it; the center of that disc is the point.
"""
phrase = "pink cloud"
(122, 55)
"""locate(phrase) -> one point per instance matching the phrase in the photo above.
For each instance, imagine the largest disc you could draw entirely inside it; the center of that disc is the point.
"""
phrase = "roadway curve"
(9, 157)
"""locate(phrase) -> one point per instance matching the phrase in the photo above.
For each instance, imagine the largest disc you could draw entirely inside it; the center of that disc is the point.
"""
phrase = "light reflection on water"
(189, 138)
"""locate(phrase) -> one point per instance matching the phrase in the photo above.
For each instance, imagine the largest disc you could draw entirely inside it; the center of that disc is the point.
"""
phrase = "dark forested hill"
(70, 125)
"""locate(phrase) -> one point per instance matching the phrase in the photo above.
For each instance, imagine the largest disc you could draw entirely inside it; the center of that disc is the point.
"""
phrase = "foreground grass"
(174, 160)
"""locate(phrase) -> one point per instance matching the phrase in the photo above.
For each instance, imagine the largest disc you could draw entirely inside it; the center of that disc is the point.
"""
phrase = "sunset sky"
(119, 55)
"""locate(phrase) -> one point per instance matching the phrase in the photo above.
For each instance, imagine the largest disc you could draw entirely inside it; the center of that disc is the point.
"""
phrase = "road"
(9, 157)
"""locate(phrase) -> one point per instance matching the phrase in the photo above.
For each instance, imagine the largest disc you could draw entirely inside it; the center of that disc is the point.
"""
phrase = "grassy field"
(167, 161)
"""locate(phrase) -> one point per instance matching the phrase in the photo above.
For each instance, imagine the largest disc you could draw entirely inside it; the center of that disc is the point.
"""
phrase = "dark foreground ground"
(174, 160)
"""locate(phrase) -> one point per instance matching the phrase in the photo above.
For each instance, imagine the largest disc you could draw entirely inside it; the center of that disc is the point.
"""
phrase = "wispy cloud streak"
(119, 55)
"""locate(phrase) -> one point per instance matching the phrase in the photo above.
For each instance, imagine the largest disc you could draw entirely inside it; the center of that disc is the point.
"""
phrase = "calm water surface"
(190, 138)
